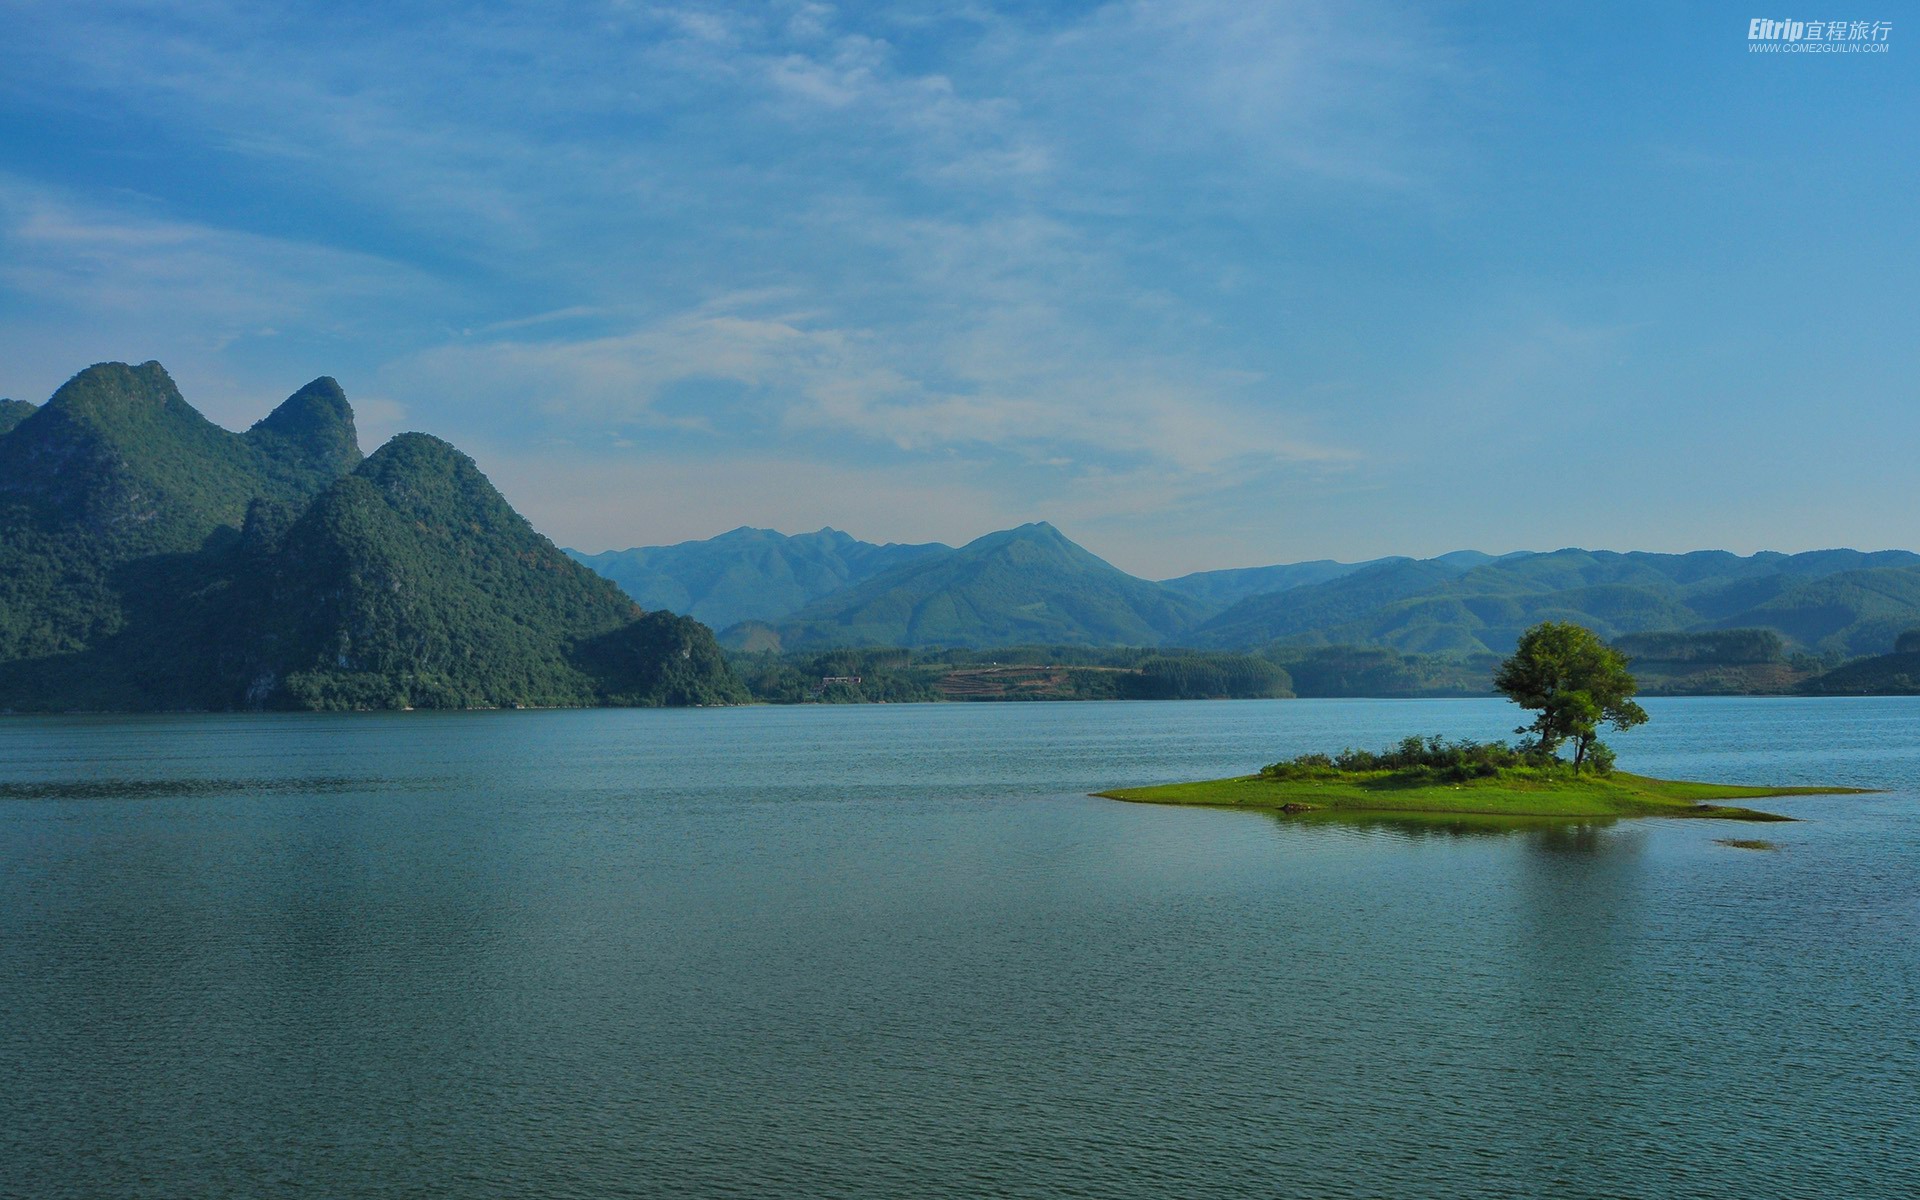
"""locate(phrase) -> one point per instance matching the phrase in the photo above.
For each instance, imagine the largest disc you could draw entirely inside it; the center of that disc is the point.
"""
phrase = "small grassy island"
(1521, 790)
(1573, 683)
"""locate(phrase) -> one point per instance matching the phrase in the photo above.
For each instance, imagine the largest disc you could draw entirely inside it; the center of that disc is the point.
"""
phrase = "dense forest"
(1720, 662)
(1895, 674)
(1006, 673)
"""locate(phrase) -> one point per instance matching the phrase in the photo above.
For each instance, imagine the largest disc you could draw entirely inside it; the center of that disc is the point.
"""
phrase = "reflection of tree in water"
(1584, 837)
(1549, 834)
(1538, 1002)
(1574, 1030)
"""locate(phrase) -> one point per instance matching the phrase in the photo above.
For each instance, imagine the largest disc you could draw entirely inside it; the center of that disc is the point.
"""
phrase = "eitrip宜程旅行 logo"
(1768, 36)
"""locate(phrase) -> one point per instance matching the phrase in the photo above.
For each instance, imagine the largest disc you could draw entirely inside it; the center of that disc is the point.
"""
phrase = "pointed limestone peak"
(317, 421)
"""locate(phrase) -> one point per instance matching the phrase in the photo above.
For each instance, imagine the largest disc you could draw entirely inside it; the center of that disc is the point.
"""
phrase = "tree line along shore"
(1734, 662)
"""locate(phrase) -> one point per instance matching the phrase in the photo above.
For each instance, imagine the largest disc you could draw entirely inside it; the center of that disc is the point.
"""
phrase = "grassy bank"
(1514, 792)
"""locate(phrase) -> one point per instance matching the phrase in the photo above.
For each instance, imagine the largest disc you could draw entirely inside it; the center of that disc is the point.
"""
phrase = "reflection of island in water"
(1556, 834)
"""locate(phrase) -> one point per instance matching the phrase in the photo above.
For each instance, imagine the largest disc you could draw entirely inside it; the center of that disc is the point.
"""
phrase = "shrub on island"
(1431, 759)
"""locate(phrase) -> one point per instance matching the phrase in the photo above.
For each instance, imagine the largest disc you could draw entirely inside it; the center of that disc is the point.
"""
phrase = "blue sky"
(1205, 284)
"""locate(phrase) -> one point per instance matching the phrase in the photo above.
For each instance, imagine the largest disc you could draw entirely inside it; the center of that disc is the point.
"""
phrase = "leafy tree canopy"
(1574, 683)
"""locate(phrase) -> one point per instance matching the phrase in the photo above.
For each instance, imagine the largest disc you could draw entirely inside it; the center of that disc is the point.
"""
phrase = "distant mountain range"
(1842, 601)
(1033, 585)
(1219, 590)
(1027, 585)
(150, 559)
(749, 574)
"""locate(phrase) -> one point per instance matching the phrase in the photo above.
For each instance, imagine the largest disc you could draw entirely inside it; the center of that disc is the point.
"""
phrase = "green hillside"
(1302, 612)
(1218, 591)
(1896, 674)
(1838, 601)
(1028, 584)
(1716, 662)
(749, 574)
(1851, 612)
(1378, 671)
(412, 583)
(408, 582)
(998, 673)
(309, 440)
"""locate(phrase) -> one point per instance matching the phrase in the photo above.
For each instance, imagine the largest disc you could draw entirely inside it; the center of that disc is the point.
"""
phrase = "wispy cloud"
(1005, 383)
(1127, 264)
(88, 281)
(86, 257)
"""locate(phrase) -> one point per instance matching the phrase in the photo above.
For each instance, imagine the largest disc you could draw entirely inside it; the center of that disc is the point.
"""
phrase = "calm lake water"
(897, 951)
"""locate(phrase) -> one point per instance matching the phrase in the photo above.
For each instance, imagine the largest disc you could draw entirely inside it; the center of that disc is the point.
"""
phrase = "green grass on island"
(1513, 792)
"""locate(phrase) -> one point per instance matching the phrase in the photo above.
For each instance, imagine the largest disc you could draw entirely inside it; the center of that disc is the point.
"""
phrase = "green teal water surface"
(898, 951)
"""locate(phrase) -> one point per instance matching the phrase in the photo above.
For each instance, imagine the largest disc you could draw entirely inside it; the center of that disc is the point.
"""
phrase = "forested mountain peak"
(112, 394)
(316, 422)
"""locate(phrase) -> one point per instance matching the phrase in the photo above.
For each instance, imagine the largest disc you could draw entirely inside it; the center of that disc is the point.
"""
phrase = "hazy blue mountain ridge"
(1841, 601)
(749, 574)
(1220, 590)
(1465, 603)
(1024, 585)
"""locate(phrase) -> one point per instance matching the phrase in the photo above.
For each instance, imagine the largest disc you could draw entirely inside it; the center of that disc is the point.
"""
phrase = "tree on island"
(1575, 683)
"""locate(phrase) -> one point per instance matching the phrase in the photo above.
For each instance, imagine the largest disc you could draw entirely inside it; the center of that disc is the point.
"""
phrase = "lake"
(898, 951)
